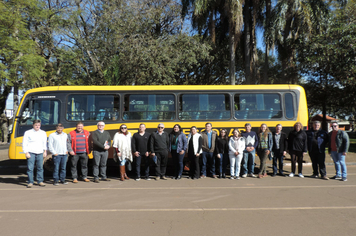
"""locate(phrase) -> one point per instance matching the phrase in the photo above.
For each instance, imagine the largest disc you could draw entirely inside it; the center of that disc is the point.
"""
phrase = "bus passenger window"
(204, 107)
(262, 106)
(45, 110)
(149, 107)
(82, 107)
(288, 103)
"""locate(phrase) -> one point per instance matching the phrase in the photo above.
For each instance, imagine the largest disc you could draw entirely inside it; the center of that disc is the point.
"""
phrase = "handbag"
(128, 165)
(271, 155)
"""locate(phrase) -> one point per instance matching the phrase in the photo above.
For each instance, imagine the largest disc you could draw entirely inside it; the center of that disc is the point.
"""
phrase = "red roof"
(320, 117)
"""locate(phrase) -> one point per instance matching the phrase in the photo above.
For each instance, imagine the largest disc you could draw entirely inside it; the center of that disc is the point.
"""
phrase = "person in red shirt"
(79, 150)
(338, 147)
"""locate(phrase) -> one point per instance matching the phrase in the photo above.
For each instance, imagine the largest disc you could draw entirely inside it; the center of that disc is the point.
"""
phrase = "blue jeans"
(123, 162)
(339, 161)
(177, 163)
(223, 160)
(60, 163)
(208, 158)
(248, 161)
(38, 159)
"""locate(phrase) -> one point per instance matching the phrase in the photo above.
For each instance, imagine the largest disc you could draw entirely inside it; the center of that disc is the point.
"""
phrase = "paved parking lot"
(268, 206)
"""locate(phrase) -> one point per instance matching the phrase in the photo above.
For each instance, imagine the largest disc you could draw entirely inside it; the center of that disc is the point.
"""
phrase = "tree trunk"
(254, 57)
(16, 99)
(247, 42)
(3, 97)
(266, 67)
(212, 27)
(232, 56)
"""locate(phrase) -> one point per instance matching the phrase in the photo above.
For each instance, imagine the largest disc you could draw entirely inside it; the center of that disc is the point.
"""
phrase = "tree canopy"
(138, 42)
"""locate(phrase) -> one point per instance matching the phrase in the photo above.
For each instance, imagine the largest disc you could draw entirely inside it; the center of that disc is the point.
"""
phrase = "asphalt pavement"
(249, 206)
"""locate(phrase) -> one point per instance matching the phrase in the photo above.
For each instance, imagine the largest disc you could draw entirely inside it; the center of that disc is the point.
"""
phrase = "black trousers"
(162, 159)
(318, 160)
(297, 156)
(194, 168)
(142, 158)
(278, 156)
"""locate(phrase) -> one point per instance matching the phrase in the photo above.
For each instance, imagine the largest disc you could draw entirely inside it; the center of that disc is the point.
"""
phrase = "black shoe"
(105, 179)
(274, 175)
(224, 176)
(179, 177)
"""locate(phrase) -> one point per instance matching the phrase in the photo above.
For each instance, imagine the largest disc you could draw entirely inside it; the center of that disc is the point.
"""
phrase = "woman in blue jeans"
(178, 145)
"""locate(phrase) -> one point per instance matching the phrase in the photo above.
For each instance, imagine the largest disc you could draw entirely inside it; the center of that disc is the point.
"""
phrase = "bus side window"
(289, 105)
(93, 107)
(260, 106)
(149, 107)
(45, 110)
(204, 107)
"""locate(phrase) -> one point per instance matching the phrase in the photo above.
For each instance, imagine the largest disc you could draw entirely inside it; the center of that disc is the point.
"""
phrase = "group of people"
(208, 148)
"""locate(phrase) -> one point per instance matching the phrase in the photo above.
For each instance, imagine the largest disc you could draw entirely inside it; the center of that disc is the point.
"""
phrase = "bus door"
(46, 110)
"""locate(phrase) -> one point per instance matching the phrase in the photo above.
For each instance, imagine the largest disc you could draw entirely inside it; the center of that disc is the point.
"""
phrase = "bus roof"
(167, 87)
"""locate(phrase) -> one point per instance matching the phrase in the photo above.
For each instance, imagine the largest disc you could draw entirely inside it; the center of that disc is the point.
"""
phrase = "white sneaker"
(244, 176)
(232, 177)
(238, 177)
(300, 175)
(251, 175)
(291, 175)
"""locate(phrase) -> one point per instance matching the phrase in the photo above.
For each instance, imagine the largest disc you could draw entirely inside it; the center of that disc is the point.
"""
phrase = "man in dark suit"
(280, 147)
(317, 141)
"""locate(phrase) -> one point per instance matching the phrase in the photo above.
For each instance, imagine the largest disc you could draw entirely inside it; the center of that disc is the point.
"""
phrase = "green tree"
(291, 21)
(20, 64)
(329, 61)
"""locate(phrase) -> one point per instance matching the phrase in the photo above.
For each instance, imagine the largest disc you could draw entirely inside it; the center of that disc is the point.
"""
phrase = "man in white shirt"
(57, 145)
(34, 146)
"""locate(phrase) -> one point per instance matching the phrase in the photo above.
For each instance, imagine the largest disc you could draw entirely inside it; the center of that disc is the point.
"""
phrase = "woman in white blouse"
(236, 148)
(122, 146)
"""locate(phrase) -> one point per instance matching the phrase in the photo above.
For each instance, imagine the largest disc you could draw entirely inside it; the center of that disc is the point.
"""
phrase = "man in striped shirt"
(79, 150)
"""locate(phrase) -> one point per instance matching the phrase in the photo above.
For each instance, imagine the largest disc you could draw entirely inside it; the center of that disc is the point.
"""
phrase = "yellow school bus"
(225, 106)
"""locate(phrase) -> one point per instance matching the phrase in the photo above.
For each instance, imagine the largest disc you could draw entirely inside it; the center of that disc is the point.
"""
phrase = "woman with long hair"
(195, 143)
(222, 151)
(178, 145)
(264, 148)
(122, 146)
(297, 146)
(236, 148)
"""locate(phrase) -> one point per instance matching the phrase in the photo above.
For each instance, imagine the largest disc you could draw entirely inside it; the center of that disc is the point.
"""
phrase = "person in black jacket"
(139, 146)
(297, 147)
(280, 147)
(317, 140)
(222, 151)
(159, 146)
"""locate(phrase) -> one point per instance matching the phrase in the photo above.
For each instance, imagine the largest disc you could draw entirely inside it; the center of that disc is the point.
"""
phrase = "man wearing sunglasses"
(338, 147)
(101, 143)
(159, 146)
